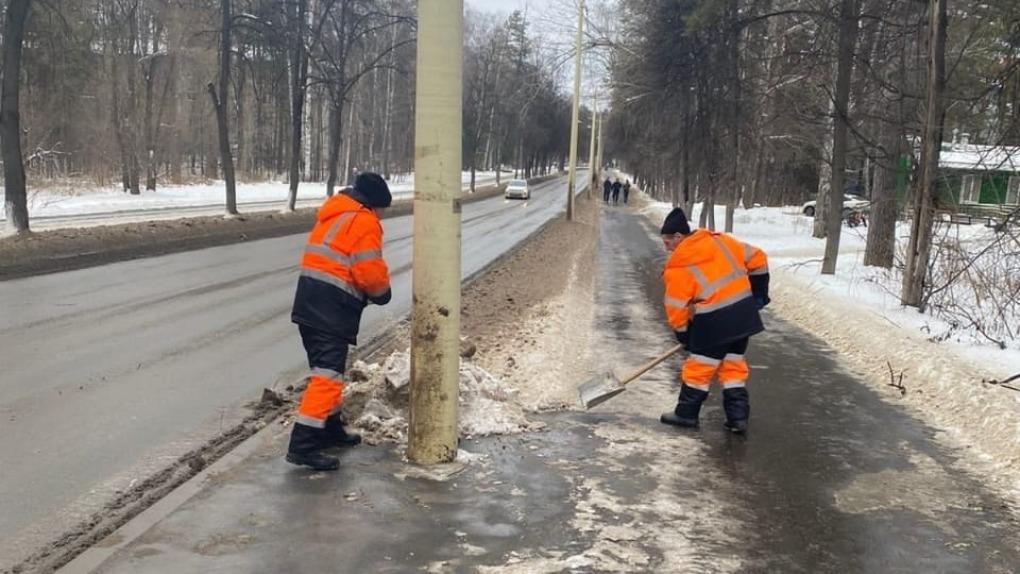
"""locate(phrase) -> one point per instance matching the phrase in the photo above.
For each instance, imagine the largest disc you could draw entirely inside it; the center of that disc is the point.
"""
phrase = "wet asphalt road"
(109, 373)
(831, 478)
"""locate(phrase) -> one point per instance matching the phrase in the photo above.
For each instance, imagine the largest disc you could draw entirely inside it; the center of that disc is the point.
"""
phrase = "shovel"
(606, 386)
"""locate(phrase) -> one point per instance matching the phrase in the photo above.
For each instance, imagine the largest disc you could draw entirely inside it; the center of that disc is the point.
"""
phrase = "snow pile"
(977, 286)
(81, 200)
(781, 232)
(970, 317)
(376, 401)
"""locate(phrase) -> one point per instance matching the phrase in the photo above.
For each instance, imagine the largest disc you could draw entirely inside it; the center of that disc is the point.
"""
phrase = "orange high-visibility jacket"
(715, 285)
(342, 269)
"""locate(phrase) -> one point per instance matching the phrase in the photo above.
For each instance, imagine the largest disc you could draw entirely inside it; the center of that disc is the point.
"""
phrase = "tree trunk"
(350, 140)
(825, 178)
(388, 118)
(335, 130)
(298, 89)
(848, 17)
(220, 105)
(370, 162)
(148, 129)
(919, 248)
(131, 114)
(15, 198)
(174, 83)
(881, 245)
(499, 152)
(734, 63)
(239, 135)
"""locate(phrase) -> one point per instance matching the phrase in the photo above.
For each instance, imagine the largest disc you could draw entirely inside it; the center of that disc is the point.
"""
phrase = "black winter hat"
(371, 190)
(676, 222)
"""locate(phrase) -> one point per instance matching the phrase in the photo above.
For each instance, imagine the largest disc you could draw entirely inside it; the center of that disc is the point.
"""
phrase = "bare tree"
(919, 248)
(297, 11)
(15, 202)
(848, 19)
(219, 102)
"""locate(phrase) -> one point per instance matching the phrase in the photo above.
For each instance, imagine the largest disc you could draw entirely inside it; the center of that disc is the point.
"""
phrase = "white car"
(850, 203)
(517, 188)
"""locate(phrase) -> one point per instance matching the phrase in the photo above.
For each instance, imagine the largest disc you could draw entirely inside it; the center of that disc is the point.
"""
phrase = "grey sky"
(500, 6)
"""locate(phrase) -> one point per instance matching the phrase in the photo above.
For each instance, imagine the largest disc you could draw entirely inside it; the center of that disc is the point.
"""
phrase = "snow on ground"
(376, 401)
(67, 201)
(786, 236)
(857, 312)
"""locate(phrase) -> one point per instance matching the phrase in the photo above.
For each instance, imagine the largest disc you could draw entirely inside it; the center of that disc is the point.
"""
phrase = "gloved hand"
(382, 299)
(762, 301)
(682, 337)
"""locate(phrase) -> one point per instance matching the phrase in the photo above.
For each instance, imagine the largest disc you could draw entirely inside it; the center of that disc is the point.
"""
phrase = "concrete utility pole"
(593, 176)
(435, 313)
(598, 154)
(576, 113)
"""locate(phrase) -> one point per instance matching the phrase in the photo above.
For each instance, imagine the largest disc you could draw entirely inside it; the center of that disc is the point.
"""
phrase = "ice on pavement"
(376, 401)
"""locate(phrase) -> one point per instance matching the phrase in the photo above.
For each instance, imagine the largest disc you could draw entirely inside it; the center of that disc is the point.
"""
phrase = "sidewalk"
(830, 479)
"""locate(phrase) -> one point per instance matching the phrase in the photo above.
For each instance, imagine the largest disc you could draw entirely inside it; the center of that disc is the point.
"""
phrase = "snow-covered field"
(857, 312)
(267, 196)
(786, 236)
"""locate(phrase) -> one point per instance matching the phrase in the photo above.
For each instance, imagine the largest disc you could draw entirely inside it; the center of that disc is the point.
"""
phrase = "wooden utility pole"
(435, 312)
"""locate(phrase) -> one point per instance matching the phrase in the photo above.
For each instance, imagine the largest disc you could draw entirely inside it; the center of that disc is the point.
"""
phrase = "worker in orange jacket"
(342, 271)
(715, 286)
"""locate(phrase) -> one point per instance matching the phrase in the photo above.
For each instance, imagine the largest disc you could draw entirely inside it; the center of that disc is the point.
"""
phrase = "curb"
(96, 555)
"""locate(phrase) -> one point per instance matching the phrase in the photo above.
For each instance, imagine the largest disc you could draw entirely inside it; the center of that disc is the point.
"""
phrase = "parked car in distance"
(517, 189)
(850, 203)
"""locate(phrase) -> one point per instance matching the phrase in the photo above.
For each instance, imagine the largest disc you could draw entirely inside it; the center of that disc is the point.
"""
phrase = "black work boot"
(737, 405)
(688, 407)
(336, 436)
(306, 449)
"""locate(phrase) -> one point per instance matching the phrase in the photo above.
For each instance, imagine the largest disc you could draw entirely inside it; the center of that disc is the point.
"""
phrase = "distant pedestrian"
(856, 219)
(715, 286)
(626, 190)
(342, 271)
(616, 191)
(607, 188)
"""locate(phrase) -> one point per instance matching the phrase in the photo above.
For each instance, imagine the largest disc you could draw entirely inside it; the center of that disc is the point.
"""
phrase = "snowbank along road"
(57, 211)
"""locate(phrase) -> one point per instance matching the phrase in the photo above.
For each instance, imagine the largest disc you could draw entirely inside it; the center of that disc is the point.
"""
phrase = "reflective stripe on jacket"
(709, 291)
(342, 268)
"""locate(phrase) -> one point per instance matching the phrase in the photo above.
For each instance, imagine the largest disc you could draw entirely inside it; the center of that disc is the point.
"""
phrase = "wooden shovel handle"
(652, 364)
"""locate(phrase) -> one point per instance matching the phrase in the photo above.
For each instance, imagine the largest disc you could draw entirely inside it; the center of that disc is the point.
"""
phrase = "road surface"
(111, 372)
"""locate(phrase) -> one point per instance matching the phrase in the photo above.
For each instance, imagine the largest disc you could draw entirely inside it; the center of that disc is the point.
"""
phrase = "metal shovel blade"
(600, 389)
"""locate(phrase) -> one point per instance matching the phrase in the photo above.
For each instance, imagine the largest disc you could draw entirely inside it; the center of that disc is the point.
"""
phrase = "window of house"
(970, 192)
(1013, 190)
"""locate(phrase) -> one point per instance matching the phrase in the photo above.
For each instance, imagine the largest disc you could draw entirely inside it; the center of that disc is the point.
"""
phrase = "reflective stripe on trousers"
(698, 371)
(322, 398)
